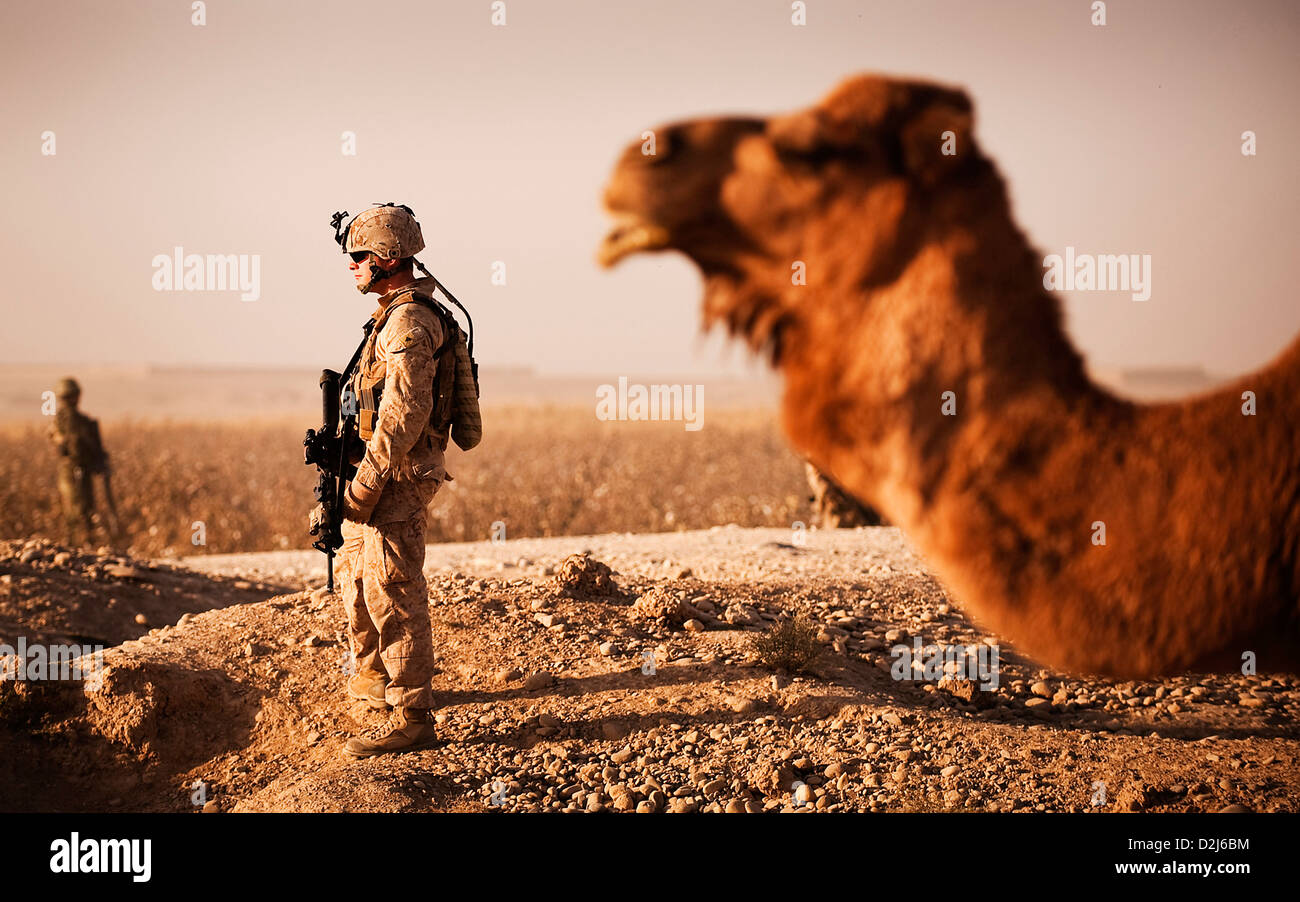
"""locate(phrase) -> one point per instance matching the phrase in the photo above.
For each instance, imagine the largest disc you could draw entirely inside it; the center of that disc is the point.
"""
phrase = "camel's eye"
(812, 156)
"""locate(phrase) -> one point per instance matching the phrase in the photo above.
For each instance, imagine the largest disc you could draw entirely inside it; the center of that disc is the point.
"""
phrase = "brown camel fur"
(918, 283)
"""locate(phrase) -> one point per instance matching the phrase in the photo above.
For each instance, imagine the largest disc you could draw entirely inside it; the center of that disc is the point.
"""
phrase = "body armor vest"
(368, 388)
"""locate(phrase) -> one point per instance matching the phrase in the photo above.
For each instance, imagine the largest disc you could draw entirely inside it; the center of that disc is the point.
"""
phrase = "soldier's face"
(360, 268)
(363, 267)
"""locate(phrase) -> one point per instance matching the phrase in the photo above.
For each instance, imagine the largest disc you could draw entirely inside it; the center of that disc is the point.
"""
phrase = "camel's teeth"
(627, 239)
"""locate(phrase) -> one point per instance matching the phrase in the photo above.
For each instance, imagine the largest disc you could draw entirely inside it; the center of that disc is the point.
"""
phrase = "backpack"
(466, 421)
(456, 407)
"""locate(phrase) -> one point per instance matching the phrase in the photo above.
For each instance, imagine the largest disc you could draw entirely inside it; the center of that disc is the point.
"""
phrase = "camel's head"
(832, 196)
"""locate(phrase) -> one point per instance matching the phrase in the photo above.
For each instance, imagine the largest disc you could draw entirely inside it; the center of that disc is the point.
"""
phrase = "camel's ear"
(848, 117)
(927, 126)
(936, 140)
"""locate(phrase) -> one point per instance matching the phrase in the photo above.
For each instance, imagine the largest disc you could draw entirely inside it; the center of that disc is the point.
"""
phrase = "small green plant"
(790, 646)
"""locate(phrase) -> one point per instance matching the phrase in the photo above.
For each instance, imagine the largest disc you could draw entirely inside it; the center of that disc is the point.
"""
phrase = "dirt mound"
(50, 593)
(582, 576)
(667, 607)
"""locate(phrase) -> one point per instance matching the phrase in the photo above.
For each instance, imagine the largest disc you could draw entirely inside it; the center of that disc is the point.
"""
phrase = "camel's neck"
(967, 361)
(937, 384)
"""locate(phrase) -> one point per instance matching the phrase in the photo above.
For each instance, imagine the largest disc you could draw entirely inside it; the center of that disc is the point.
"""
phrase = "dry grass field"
(542, 470)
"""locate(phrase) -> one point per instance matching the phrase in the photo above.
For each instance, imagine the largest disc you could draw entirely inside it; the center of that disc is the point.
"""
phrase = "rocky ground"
(565, 688)
(53, 594)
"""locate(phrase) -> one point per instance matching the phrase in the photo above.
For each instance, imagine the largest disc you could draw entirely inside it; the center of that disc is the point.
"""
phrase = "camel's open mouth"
(630, 235)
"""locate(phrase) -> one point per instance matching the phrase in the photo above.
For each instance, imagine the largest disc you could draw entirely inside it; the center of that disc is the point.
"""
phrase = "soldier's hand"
(358, 506)
(351, 511)
(316, 519)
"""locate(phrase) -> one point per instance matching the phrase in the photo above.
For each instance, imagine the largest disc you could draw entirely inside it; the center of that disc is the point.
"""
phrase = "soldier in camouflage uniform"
(81, 456)
(399, 389)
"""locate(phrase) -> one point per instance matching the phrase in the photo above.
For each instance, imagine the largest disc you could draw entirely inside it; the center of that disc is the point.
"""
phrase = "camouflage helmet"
(389, 231)
(67, 388)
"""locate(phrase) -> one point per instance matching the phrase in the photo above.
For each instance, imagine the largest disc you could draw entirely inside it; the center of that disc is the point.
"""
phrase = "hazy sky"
(226, 139)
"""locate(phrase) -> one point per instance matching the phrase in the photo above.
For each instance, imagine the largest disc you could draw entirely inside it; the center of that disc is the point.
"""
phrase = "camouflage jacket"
(76, 437)
(403, 463)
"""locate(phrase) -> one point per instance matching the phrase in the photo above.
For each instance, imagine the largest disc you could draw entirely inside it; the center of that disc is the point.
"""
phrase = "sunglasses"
(358, 256)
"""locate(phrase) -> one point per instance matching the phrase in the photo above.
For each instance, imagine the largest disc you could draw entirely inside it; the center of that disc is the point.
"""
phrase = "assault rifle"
(332, 449)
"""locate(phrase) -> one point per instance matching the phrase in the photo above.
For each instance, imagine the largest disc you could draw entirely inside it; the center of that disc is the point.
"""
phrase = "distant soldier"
(835, 507)
(403, 394)
(81, 456)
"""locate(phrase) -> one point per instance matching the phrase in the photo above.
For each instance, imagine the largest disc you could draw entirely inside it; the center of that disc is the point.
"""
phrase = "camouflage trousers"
(386, 599)
(77, 492)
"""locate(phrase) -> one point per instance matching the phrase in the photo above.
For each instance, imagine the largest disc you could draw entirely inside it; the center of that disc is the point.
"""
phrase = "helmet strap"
(377, 275)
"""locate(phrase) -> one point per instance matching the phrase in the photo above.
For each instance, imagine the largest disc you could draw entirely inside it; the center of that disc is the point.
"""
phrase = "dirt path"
(549, 702)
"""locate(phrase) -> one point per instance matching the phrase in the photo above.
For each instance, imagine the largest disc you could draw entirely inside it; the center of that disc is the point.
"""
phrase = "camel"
(879, 274)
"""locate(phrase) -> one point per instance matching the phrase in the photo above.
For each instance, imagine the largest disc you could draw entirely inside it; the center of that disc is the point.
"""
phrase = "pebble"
(742, 705)
(714, 787)
(539, 680)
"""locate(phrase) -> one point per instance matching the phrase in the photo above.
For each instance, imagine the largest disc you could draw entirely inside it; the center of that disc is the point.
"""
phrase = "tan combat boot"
(408, 729)
(369, 688)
